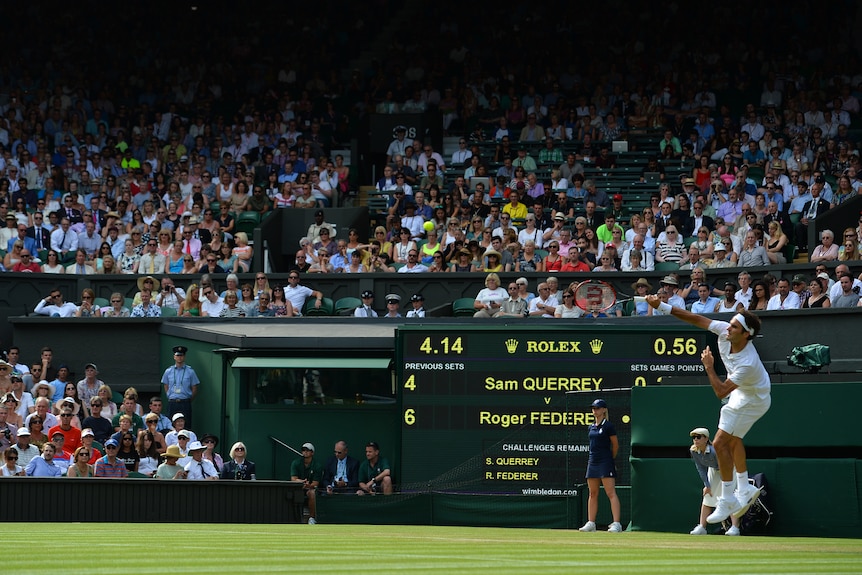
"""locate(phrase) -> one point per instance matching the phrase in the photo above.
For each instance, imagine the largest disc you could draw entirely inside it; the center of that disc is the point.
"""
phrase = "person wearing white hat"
(179, 423)
(310, 472)
(26, 451)
(199, 468)
(393, 301)
(706, 463)
(748, 392)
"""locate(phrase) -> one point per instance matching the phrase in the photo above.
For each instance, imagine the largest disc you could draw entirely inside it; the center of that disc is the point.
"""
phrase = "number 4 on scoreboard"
(410, 383)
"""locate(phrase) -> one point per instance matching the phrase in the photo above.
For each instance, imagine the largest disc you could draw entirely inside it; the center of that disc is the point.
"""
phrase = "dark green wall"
(322, 425)
(815, 494)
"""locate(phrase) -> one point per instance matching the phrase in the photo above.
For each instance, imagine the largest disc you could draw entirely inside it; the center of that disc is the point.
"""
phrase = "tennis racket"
(596, 295)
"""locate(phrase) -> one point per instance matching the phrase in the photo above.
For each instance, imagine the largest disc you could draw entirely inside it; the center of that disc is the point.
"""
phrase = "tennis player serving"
(747, 388)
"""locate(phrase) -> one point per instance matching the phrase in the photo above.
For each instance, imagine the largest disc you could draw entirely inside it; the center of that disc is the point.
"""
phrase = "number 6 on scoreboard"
(409, 416)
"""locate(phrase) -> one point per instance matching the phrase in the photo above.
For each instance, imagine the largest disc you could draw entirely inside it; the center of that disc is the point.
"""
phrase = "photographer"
(717, 193)
(8, 437)
(379, 261)
(170, 295)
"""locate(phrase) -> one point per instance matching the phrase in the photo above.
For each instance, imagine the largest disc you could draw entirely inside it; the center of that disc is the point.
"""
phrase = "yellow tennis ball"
(428, 226)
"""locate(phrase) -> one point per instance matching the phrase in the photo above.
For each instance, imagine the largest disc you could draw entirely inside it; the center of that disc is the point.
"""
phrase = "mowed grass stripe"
(87, 548)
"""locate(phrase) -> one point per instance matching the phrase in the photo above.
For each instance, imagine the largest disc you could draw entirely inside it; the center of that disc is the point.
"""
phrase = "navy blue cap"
(599, 403)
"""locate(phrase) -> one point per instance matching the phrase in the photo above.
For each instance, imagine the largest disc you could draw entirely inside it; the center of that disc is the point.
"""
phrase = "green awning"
(307, 362)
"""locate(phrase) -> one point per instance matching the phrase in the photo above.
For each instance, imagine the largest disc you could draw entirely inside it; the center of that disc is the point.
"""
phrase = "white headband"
(741, 319)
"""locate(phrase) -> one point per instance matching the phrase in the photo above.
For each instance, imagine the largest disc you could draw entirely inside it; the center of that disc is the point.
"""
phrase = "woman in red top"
(553, 262)
(701, 173)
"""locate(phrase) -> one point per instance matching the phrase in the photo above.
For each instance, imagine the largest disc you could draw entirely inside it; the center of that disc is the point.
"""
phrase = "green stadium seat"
(666, 266)
(101, 302)
(326, 307)
(168, 311)
(463, 307)
(790, 252)
(246, 222)
(346, 305)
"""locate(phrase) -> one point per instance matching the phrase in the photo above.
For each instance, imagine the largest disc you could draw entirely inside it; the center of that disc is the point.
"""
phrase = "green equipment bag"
(811, 357)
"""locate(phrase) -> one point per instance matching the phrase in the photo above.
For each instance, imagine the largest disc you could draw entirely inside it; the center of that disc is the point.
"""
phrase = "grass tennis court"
(150, 548)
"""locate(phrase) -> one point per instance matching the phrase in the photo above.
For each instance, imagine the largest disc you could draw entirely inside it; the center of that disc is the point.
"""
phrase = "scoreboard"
(506, 409)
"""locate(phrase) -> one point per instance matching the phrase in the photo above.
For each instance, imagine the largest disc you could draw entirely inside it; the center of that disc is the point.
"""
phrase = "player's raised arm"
(683, 314)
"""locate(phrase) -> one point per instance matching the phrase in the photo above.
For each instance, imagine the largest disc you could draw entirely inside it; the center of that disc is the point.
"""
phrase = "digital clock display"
(500, 409)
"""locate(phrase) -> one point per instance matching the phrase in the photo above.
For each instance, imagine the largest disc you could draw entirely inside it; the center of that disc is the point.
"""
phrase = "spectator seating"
(326, 307)
(463, 307)
(346, 305)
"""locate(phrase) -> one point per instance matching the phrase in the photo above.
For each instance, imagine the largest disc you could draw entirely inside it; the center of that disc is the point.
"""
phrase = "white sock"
(742, 480)
(726, 489)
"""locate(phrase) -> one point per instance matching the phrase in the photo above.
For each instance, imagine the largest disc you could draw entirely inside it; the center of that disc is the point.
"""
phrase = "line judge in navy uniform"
(601, 469)
(181, 385)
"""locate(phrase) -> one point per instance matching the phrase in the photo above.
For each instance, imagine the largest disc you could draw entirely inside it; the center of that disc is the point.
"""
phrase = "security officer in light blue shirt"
(181, 385)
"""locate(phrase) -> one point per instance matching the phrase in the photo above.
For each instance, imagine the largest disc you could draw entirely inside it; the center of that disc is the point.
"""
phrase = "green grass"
(149, 548)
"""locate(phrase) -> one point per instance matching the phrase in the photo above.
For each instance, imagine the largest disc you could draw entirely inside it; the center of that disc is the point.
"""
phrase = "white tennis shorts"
(738, 420)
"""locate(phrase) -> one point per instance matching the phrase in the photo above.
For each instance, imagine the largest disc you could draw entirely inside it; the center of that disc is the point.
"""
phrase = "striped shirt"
(105, 468)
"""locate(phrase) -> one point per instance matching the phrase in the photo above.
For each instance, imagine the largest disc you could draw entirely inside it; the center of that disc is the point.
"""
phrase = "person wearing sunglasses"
(109, 465)
(80, 466)
(11, 467)
(55, 306)
(706, 463)
(238, 467)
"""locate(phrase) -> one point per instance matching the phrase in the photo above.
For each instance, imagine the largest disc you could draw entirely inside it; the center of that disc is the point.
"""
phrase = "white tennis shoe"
(724, 509)
(746, 497)
(588, 526)
(698, 530)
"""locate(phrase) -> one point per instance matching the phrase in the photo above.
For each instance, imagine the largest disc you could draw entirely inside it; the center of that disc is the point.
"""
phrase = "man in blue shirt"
(181, 385)
(44, 465)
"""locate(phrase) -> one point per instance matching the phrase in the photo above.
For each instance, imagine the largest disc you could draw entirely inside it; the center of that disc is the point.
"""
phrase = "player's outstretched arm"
(683, 314)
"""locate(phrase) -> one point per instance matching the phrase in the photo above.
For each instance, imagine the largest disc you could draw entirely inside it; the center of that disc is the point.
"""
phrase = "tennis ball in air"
(428, 226)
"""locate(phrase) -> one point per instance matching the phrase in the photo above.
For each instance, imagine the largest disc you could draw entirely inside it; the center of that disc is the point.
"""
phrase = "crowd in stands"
(150, 172)
(131, 150)
(51, 426)
(816, 290)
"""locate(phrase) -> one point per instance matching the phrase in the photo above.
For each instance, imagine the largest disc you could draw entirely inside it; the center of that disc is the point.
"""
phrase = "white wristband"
(665, 307)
